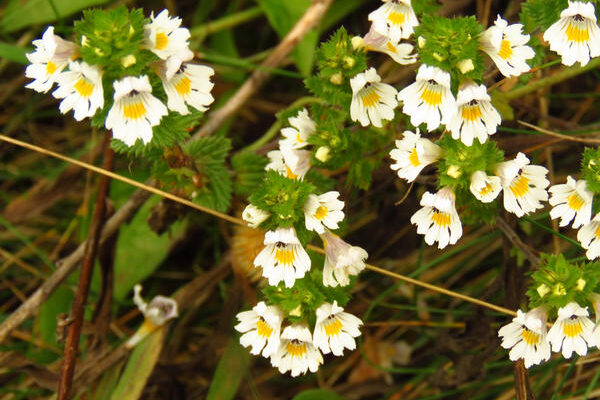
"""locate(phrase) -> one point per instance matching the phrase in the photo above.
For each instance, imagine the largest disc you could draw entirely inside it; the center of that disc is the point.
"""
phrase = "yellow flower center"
(471, 113)
(134, 110)
(162, 40)
(390, 47)
(520, 186)
(299, 138)
(285, 256)
(575, 201)
(289, 174)
(597, 233)
(321, 212)
(441, 219)
(572, 328)
(486, 190)
(576, 34)
(295, 349)
(530, 337)
(413, 158)
(84, 87)
(370, 98)
(431, 96)
(51, 68)
(333, 327)
(506, 50)
(263, 329)
(184, 86)
(396, 18)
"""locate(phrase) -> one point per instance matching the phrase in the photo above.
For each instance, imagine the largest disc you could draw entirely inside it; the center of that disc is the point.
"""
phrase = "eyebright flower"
(507, 47)
(571, 200)
(589, 237)
(524, 185)
(372, 100)
(296, 352)
(165, 37)
(341, 260)
(485, 188)
(402, 53)
(476, 116)
(189, 83)
(438, 219)
(322, 211)
(335, 329)
(254, 216)
(260, 327)
(572, 331)
(575, 36)
(135, 110)
(160, 310)
(429, 99)
(283, 258)
(81, 89)
(52, 54)
(395, 19)
(412, 154)
(296, 135)
(526, 336)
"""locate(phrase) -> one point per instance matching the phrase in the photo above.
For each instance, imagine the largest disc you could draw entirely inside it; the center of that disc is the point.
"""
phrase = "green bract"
(590, 169)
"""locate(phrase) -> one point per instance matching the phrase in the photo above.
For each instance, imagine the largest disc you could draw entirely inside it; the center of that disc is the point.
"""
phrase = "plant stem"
(77, 311)
(200, 32)
(558, 77)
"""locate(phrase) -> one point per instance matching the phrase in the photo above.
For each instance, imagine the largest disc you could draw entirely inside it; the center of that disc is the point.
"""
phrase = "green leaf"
(318, 394)
(541, 13)
(108, 382)
(139, 367)
(249, 171)
(230, 371)
(13, 53)
(502, 104)
(20, 14)
(282, 16)
(590, 168)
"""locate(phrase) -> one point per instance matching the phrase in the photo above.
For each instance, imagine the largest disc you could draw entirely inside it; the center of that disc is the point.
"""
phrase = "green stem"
(558, 77)
(200, 32)
(274, 129)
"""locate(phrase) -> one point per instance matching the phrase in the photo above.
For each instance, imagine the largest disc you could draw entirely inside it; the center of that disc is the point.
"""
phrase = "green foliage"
(224, 385)
(449, 43)
(425, 7)
(249, 171)
(590, 169)
(284, 198)
(557, 282)
(541, 13)
(108, 36)
(337, 62)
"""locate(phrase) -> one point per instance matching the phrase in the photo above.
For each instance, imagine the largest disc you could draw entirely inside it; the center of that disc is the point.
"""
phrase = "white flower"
(260, 328)
(524, 185)
(572, 331)
(438, 219)
(429, 99)
(322, 211)
(296, 352)
(571, 200)
(254, 216)
(372, 100)
(165, 38)
(507, 47)
(476, 116)
(189, 83)
(51, 56)
(335, 329)
(81, 89)
(156, 314)
(402, 53)
(395, 19)
(589, 237)
(485, 188)
(283, 258)
(135, 110)
(412, 154)
(341, 260)
(299, 162)
(296, 135)
(526, 336)
(575, 36)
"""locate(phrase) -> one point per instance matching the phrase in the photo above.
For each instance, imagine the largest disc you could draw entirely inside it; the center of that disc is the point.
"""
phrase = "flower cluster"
(132, 109)
(293, 347)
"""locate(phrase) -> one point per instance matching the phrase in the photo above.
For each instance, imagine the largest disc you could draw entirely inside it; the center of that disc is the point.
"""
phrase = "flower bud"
(128, 61)
(465, 66)
(322, 154)
(336, 79)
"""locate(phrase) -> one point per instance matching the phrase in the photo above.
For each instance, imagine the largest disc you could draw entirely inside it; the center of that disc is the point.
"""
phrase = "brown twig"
(516, 241)
(560, 135)
(85, 278)
(309, 20)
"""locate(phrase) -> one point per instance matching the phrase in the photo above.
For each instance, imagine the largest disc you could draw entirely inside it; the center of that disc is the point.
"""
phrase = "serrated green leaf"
(249, 169)
(541, 13)
(225, 384)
